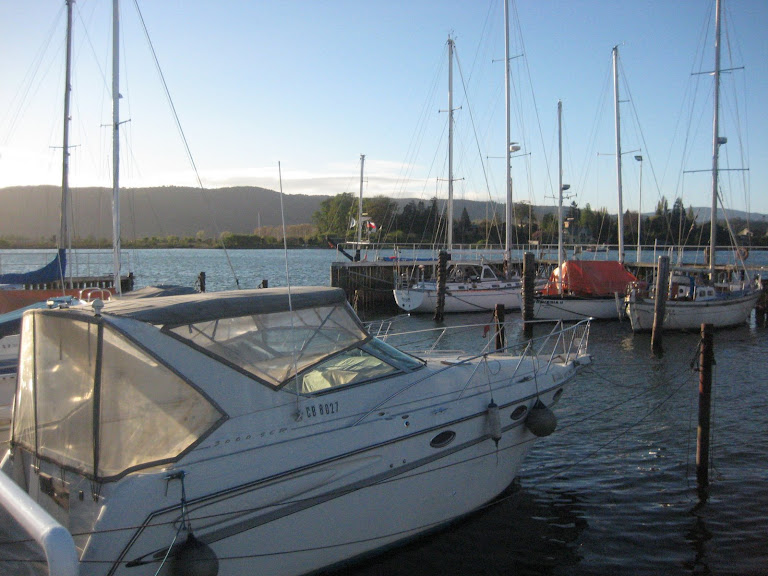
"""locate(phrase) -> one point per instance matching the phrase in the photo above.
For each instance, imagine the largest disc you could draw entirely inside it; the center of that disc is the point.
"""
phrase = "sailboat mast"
(618, 150)
(508, 144)
(716, 141)
(116, 145)
(360, 204)
(560, 196)
(64, 238)
(449, 226)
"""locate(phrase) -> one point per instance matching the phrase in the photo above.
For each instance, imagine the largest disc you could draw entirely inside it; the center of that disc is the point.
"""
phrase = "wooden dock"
(368, 283)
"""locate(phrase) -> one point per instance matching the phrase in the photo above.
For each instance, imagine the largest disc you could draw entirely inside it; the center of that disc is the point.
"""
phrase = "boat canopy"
(590, 278)
(206, 306)
(94, 399)
(95, 402)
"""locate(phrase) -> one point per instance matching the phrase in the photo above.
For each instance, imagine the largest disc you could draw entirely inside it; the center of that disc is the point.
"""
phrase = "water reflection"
(698, 536)
(524, 531)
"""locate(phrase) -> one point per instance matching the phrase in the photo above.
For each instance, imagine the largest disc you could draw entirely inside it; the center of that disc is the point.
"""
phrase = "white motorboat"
(256, 432)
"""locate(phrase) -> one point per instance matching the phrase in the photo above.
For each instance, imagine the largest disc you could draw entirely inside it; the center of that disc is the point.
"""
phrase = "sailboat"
(469, 286)
(18, 290)
(81, 290)
(579, 289)
(694, 300)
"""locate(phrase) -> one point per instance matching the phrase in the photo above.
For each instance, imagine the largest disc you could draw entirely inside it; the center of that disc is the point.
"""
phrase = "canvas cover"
(51, 272)
(590, 278)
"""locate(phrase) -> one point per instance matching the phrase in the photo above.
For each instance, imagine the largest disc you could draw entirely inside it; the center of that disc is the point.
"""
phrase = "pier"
(375, 270)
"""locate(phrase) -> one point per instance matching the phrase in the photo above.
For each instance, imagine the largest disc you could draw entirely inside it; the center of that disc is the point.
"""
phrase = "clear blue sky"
(313, 85)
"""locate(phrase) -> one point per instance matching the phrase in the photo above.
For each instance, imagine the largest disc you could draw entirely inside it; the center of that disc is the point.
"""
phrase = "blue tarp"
(51, 272)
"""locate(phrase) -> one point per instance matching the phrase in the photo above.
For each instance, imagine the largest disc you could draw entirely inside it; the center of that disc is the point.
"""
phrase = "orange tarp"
(590, 278)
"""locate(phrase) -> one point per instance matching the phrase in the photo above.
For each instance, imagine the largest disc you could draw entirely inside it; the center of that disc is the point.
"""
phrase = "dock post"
(706, 360)
(662, 274)
(442, 265)
(527, 295)
(498, 320)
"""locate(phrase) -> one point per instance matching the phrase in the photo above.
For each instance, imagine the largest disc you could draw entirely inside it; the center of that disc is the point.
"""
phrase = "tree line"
(420, 222)
(423, 222)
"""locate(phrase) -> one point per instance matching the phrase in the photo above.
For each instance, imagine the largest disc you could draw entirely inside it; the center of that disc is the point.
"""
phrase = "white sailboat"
(692, 299)
(584, 289)
(469, 287)
(257, 432)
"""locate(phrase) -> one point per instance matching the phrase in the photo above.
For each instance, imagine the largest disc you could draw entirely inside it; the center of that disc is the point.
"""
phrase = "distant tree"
(333, 217)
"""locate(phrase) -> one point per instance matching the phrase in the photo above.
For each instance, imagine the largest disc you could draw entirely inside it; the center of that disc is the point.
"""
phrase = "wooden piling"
(662, 276)
(498, 320)
(529, 272)
(442, 267)
(706, 360)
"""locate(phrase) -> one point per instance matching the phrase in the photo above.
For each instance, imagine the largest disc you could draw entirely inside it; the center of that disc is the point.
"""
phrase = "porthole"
(519, 412)
(557, 395)
(443, 439)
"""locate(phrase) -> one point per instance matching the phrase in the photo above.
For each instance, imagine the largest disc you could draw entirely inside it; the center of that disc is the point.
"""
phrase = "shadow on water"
(523, 532)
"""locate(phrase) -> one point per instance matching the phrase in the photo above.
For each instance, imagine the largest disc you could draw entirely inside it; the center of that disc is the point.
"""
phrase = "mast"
(618, 150)
(508, 144)
(449, 227)
(64, 238)
(116, 145)
(360, 204)
(560, 201)
(716, 141)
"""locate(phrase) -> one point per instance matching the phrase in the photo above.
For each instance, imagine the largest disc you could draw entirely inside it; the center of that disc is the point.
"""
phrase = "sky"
(289, 94)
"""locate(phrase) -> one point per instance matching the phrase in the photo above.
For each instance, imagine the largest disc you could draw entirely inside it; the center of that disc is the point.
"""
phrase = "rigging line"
(472, 121)
(409, 165)
(614, 406)
(177, 120)
(15, 109)
(297, 416)
(620, 435)
(533, 94)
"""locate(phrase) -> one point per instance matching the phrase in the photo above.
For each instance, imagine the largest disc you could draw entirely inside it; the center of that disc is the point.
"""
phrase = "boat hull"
(424, 300)
(690, 315)
(575, 308)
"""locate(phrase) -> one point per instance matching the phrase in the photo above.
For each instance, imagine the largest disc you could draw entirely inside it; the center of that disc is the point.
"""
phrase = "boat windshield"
(91, 400)
(373, 359)
(274, 347)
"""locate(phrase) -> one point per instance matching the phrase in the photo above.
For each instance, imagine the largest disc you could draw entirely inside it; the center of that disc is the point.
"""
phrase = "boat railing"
(564, 344)
(561, 341)
(55, 539)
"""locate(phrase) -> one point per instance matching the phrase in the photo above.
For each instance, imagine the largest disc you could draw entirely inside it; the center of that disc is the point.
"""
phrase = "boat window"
(349, 367)
(147, 413)
(393, 355)
(274, 347)
(91, 400)
(488, 274)
(59, 387)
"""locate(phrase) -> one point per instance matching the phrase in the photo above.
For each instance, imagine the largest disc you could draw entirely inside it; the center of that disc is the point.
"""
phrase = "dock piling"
(662, 275)
(706, 360)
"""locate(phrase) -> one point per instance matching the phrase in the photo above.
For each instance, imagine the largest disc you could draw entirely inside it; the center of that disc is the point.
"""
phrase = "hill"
(32, 212)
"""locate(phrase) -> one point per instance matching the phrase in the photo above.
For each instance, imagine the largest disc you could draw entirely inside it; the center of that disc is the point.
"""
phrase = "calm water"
(613, 490)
